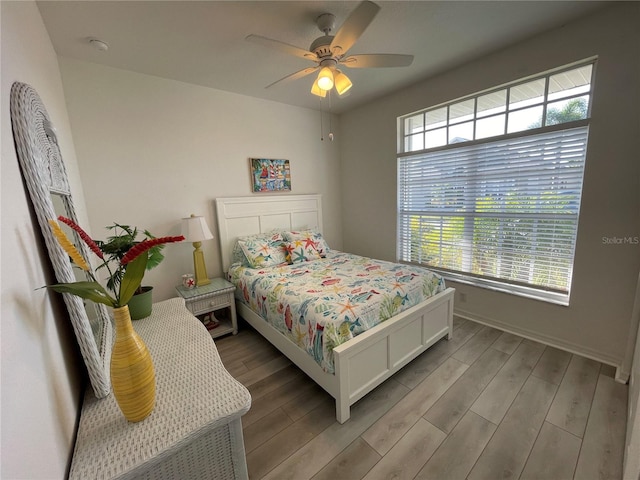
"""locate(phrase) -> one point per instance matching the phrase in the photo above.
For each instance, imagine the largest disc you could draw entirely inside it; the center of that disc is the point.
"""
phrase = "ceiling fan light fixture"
(325, 79)
(316, 90)
(330, 51)
(342, 82)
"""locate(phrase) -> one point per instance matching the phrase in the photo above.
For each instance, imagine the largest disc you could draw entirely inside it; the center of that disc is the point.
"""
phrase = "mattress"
(323, 303)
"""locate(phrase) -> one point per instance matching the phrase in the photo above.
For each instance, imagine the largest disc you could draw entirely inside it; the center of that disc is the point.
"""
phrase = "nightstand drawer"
(205, 305)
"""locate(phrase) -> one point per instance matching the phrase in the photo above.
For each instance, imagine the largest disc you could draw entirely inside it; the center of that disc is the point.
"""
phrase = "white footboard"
(366, 361)
(363, 363)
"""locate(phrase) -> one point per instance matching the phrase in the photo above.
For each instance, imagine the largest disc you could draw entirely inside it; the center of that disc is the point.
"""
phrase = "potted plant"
(132, 372)
(114, 248)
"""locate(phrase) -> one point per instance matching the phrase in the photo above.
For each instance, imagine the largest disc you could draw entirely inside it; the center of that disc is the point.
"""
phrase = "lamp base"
(199, 266)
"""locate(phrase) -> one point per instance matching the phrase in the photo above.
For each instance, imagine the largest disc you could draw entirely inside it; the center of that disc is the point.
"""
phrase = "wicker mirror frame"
(45, 175)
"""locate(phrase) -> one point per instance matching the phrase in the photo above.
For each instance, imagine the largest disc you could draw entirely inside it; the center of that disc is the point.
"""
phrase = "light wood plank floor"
(484, 405)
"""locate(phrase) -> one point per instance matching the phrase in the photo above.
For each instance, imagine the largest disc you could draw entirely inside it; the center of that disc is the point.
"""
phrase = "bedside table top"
(217, 285)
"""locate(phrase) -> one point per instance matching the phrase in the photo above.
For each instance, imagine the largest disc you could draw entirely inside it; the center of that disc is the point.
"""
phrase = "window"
(489, 186)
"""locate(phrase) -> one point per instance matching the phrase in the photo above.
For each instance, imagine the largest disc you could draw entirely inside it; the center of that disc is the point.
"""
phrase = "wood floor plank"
(496, 399)
(315, 445)
(256, 360)
(236, 368)
(265, 428)
(245, 354)
(274, 381)
(352, 463)
(264, 370)
(281, 446)
(409, 455)
(570, 409)
(460, 450)
(452, 406)
(552, 365)
(232, 342)
(603, 446)
(307, 401)
(316, 454)
(506, 453)
(507, 342)
(245, 345)
(554, 455)
(420, 368)
(476, 346)
(458, 322)
(386, 432)
(278, 397)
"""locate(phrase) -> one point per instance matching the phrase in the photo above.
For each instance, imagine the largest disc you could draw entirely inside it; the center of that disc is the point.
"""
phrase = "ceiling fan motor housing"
(322, 46)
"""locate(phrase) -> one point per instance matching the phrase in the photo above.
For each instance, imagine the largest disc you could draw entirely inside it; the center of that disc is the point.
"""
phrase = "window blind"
(502, 210)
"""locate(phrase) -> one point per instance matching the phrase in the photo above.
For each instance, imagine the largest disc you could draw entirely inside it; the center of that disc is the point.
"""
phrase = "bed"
(368, 359)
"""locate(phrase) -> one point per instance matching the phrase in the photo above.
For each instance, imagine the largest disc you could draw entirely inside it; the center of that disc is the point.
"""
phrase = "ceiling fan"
(329, 51)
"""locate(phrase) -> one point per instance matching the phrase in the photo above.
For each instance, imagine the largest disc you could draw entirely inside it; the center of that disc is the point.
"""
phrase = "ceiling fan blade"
(355, 24)
(294, 76)
(283, 47)
(377, 60)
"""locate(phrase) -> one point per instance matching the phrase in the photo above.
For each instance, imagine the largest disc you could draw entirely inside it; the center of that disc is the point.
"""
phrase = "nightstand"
(205, 300)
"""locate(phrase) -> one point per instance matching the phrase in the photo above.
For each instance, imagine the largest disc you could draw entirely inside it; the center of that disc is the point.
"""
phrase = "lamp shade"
(325, 79)
(316, 90)
(342, 82)
(195, 229)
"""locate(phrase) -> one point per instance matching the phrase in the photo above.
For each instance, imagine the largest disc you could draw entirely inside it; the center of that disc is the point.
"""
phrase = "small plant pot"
(140, 304)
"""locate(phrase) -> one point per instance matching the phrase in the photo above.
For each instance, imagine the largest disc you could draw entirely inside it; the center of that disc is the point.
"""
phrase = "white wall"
(41, 371)
(152, 151)
(597, 321)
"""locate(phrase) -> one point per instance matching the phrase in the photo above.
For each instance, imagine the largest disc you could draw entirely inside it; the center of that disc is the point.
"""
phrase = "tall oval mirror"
(46, 178)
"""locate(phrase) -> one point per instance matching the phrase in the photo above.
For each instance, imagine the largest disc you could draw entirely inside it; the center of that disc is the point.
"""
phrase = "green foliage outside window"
(517, 248)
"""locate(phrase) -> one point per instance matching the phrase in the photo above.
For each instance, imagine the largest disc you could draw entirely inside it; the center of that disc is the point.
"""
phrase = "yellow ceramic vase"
(132, 375)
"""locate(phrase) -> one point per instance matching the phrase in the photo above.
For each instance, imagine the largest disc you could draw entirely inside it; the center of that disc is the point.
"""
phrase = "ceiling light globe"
(316, 90)
(325, 79)
(342, 82)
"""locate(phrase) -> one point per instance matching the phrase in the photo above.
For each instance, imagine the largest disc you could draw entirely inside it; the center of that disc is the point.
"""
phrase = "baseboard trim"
(621, 376)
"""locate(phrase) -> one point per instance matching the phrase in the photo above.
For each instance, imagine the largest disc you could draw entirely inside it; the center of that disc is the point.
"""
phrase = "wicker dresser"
(194, 431)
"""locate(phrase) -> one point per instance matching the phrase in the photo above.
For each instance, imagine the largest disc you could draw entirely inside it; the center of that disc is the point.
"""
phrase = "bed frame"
(362, 363)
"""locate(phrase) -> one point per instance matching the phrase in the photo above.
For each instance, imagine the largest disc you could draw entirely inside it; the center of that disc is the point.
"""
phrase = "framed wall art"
(270, 175)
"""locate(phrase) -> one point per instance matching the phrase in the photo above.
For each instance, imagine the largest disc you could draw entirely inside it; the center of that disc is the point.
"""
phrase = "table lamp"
(195, 229)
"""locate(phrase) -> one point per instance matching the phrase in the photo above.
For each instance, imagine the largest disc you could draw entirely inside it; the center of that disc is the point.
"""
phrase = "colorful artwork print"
(270, 175)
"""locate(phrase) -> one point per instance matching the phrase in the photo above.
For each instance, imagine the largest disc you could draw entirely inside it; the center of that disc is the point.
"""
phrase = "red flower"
(145, 245)
(83, 235)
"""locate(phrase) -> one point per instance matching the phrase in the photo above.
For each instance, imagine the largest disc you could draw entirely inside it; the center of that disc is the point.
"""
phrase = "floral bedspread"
(323, 303)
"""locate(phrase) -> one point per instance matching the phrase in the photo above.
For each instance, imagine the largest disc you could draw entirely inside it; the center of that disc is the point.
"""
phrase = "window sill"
(521, 291)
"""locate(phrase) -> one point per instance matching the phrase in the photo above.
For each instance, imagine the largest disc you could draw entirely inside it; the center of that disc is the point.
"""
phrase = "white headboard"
(247, 215)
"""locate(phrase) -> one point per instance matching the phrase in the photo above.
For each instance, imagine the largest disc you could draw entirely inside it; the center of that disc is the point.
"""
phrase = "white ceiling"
(203, 42)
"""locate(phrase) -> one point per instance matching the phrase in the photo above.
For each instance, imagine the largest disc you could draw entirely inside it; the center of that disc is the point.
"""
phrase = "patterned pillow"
(263, 250)
(238, 256)
(300, 251)
(309, 236)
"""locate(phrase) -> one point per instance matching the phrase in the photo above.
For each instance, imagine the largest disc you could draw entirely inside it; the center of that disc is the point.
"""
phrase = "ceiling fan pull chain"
(330, 132)
(321, 129)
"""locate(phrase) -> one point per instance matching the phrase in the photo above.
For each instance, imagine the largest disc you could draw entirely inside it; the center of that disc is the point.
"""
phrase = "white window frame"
(531, 291)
